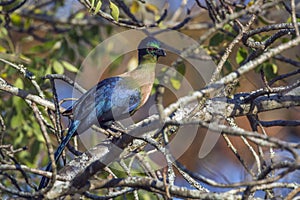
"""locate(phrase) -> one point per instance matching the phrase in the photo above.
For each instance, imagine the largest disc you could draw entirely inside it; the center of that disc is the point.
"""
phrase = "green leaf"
(92, 5)
(97, 8)
(68, 66)
(241, 55)
(45, 47)
(21, 138)
(270, 70)
(114, 11)
(55, 46)
(2, 49)
(285, 40)
(48, 70)
(58, 67)
(134, 8)
(3, 32)
(83, 51)
(27, 23)
(36, 49)
(79, 15)
(275, 68)
(175, 83)
(216, 39)
(37, 134)
(19, 83)
(16, 121)
(16, 19)
(24, 58)
(156, 82)
(71, 54)
(18, 104)
(24, 155)
(35, 148)
(228, 66)
(180, 68)
(228, 27)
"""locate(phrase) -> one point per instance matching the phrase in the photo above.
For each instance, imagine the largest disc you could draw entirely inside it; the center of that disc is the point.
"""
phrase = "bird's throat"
(147, 59)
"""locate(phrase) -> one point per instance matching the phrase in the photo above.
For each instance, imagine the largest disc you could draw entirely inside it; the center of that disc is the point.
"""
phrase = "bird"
(113, 98)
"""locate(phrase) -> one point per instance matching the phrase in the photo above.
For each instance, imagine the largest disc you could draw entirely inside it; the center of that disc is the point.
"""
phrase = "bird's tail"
(71, 132)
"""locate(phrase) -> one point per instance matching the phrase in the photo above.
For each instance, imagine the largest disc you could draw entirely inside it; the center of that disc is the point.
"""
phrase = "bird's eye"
(151, 49)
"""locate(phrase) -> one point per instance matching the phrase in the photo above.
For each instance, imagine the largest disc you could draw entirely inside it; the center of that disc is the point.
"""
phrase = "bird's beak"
(160, 52)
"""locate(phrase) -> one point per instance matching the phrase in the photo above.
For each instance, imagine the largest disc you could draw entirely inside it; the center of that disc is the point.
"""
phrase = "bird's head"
(149, 50)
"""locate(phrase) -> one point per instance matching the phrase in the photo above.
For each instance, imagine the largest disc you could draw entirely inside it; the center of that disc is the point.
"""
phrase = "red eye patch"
(151, 49)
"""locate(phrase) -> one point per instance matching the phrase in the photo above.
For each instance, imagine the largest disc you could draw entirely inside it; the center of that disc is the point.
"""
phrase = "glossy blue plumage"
(113, 98)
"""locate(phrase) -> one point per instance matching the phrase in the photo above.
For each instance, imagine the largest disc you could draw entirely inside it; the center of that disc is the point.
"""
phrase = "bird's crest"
(149, 50)
(154, 43)
(149, 42)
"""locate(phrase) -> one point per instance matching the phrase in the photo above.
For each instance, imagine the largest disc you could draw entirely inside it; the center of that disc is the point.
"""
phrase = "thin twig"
(294, 18)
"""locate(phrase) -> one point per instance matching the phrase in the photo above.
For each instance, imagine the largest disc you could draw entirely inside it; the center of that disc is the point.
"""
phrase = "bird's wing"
(87, 107)
(111, 99)
(121, 100)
